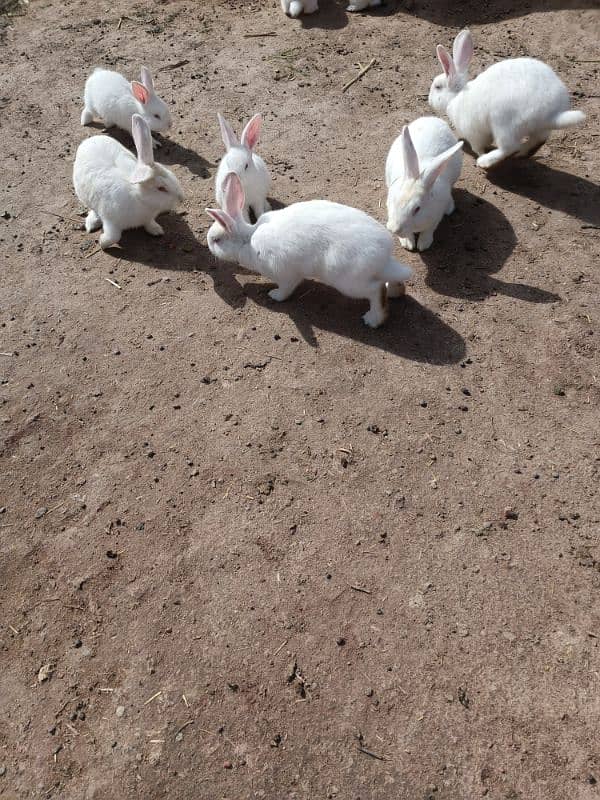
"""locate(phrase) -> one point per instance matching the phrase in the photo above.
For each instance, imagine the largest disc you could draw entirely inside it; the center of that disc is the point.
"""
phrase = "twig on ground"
(373, 755)
(363, 71)
(259, 35)
(174, 66)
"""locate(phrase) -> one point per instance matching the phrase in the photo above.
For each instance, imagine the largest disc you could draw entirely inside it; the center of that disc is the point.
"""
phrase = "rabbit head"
(247, 165)
(154, 110)
(455, 75)
(229, 232)
(410, 205)
(158, 186)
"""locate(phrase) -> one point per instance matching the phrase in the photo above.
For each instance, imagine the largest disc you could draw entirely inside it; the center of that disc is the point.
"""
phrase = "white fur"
(422, 166)
(120, 191)
(293, 8)
(512, 106)
(247, 165)
(361, 5)
(335, 244)
(110, 97)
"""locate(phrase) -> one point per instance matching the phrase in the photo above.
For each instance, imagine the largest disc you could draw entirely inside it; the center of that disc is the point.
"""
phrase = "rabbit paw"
(407, 242)
(374, 317)
(492, 158)
(92, 222)
(153, 228)
(86, 116)
(425, 240)
(279, 294)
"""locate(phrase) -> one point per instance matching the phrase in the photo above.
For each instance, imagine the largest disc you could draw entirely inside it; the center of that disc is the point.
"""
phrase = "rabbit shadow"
(172, 152)
(180, 251)
(330, 16)
(462, 14)
(549, 187)
(464, 257)
(412, 331)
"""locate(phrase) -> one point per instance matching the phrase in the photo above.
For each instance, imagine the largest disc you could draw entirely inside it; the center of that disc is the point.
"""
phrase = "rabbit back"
(521, 95)
(336, 244)
(108, 96)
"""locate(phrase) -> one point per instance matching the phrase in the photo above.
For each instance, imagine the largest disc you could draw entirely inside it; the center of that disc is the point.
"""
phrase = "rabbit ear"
(411, 160)
(222, 217)
(234, 198)
(229, 138)
(140, 92)
(462, 50)
(445, 60)
(143, 144)
(251, 133)
(147, 79)
(438, 165)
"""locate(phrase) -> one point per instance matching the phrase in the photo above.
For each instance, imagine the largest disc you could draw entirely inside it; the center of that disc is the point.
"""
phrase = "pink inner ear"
(140, 92)
(234, 194)
(251, 133)
(221, 217)
(445, 60)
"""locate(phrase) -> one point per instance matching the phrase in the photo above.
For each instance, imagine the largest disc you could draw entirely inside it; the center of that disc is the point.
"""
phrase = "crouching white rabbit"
(111, 98)
(422, 166)
(293, 8)
(511, 107)
(335, 244)
(121, 191)
(247, 165)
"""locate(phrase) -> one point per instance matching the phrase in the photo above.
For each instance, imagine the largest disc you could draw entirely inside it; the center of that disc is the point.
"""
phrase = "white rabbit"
(293, 8)
(512, 106)
(337, 245)
(422, 166)
(120, 191)
(247, 165)
(110, 97)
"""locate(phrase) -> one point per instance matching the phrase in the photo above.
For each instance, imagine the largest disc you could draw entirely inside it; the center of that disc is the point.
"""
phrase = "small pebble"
(340, 641)
(227, 765)
(2, 772)
(510, 513)
(120, 711)
(40, 512)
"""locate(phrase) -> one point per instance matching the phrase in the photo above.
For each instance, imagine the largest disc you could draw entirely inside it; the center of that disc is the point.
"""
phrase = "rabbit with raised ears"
(113, 99)
(247, 165)
(293, 8)
(340, 246)
(121, 191)
(422, 166)
(509, 109)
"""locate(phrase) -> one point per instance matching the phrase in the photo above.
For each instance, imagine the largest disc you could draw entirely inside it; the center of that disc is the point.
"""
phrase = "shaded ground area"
(259, 550)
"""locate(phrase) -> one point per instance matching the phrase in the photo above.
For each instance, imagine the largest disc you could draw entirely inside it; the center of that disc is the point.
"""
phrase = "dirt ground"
(257, 550)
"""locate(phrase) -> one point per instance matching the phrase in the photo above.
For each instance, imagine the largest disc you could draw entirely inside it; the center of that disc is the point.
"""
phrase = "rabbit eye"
(416, 211)
(246, 167)
(217, 239)
(157, 116)
(162, 189)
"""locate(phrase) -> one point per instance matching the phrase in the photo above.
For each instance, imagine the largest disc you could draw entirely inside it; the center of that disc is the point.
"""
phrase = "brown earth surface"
(258, 550)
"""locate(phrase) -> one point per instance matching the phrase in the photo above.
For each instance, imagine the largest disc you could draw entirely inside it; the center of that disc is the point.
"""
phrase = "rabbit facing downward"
(110, 97)
(422, 166)
(121, 191)
(247, 165)
(509, 109)
(340, 246)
